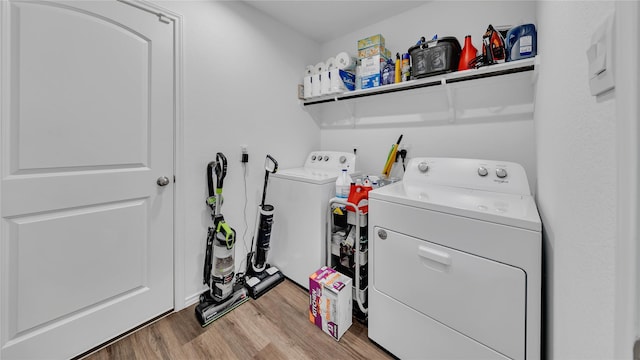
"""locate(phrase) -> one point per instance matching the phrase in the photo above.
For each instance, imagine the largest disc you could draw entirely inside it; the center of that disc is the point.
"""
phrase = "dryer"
(301, 198)
(455, 262)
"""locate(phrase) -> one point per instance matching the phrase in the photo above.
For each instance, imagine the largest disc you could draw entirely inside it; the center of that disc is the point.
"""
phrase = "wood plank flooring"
(276, 326)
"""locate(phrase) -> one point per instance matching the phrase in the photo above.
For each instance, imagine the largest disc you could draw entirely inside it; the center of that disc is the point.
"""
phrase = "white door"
(86, 249)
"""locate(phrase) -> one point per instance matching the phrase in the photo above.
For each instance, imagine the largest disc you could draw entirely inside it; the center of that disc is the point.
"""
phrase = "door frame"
(627, 253)
(176, 20)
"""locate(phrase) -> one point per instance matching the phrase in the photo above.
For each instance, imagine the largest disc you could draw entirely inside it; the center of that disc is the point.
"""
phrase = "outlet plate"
(244, 149)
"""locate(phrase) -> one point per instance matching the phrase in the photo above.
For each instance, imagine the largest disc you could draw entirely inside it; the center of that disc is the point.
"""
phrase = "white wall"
(627, 322)
(241, 71)
(576, 142)
(508, 139)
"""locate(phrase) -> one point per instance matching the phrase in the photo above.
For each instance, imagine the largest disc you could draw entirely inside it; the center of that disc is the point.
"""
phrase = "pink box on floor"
(330, 301)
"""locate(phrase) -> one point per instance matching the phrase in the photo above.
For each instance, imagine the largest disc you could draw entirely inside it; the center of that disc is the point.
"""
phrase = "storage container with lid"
(435, 57)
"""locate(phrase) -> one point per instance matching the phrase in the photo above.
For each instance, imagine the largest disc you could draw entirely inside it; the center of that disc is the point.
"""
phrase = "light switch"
(600, 57)
(597, 55)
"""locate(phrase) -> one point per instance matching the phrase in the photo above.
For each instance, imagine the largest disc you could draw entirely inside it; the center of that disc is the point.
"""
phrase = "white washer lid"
(308, 175)
(507, 209)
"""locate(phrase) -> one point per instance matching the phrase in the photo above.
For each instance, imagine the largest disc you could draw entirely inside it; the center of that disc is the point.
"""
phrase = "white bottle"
(343, 185)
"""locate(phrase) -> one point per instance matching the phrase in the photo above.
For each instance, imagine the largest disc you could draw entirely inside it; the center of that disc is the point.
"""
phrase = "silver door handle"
(382, 234)
(163, 181)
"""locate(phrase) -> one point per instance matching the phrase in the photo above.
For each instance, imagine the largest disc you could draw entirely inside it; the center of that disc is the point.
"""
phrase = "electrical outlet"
(245, 153)
(403, 149)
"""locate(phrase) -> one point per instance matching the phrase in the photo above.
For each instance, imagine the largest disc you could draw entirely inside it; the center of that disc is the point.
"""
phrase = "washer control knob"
(343, 159)
(326, 158)
(423, 167)
(482, 171)
(313, 158)
(382, 234)
(501, 173)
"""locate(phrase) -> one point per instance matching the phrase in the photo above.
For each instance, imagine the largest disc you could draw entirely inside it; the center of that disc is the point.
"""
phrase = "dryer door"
(480, 298)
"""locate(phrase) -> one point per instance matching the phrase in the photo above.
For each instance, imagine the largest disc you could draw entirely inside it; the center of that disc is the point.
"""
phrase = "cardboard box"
(371, 51)
(370, 81)
(371, 71)
(330, 303)
(372, 40)
(372, 65)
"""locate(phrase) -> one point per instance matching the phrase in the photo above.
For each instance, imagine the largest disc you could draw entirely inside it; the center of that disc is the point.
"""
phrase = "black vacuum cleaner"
(261, 277)
(224, 293)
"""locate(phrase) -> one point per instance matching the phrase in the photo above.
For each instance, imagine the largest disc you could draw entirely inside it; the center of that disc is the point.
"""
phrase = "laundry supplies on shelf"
(334, 75)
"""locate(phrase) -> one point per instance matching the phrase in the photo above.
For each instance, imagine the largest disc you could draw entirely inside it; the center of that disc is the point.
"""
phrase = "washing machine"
(301, 199)
(455, 262)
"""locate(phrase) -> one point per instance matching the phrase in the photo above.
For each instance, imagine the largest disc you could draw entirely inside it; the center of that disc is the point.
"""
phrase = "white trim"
(5, 91)
(626, 256)
(179, 300)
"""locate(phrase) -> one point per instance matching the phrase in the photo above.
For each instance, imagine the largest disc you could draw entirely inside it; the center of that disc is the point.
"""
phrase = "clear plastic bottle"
(343, 185)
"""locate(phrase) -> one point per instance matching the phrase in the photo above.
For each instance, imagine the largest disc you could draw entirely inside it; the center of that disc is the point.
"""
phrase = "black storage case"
(435, 57)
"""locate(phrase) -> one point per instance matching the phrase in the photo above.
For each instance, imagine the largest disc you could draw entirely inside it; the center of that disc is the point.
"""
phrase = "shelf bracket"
(350, 109)
(449, 92)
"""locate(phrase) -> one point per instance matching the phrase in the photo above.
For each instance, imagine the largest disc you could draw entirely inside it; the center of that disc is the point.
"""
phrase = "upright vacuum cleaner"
(224, 294)
(261, 277)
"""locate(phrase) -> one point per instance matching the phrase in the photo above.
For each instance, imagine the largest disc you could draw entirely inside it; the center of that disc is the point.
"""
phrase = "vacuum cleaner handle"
(210, 167)
(221, 170)
(275, 164)
(266, 175)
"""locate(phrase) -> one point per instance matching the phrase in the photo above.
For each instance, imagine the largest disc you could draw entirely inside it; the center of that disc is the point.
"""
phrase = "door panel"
(71, 72)
(107, 242)
(86, 233)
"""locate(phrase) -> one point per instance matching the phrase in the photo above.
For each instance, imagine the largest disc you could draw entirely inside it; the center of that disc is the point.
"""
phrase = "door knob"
(163, 181)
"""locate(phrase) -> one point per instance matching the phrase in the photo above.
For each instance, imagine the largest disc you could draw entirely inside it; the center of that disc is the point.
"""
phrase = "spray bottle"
(406, 67)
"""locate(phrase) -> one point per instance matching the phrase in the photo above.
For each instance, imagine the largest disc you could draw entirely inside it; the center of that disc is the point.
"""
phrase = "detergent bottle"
(359, 195)
(343, 185)
(521, 42)
(469, 53)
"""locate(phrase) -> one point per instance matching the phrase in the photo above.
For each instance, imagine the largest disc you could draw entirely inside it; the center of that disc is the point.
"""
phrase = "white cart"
(347, 242)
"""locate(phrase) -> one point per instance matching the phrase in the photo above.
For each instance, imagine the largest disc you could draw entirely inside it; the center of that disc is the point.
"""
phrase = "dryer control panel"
(490, 175)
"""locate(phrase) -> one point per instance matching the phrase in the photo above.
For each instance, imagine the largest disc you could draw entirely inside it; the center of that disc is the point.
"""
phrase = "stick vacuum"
(261, 277)
(224, 294)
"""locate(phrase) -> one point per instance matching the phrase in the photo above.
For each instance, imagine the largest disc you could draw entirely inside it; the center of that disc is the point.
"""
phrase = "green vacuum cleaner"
(224, 293)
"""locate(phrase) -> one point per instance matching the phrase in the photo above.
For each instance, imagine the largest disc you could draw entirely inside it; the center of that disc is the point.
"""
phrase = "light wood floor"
(276, 326)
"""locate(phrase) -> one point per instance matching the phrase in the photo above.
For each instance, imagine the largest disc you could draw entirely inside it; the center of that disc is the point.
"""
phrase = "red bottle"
(468, 53)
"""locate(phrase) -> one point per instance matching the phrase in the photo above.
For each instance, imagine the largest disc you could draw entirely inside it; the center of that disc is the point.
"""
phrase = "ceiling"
(330, 19)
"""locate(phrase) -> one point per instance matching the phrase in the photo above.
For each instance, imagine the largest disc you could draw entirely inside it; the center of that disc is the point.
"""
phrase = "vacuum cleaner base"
(259, 284)
(208, 310)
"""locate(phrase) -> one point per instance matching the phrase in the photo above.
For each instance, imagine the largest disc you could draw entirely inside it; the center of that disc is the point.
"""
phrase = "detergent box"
(330, 301)
(370, 46)
(372, 40)
(371, 71)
